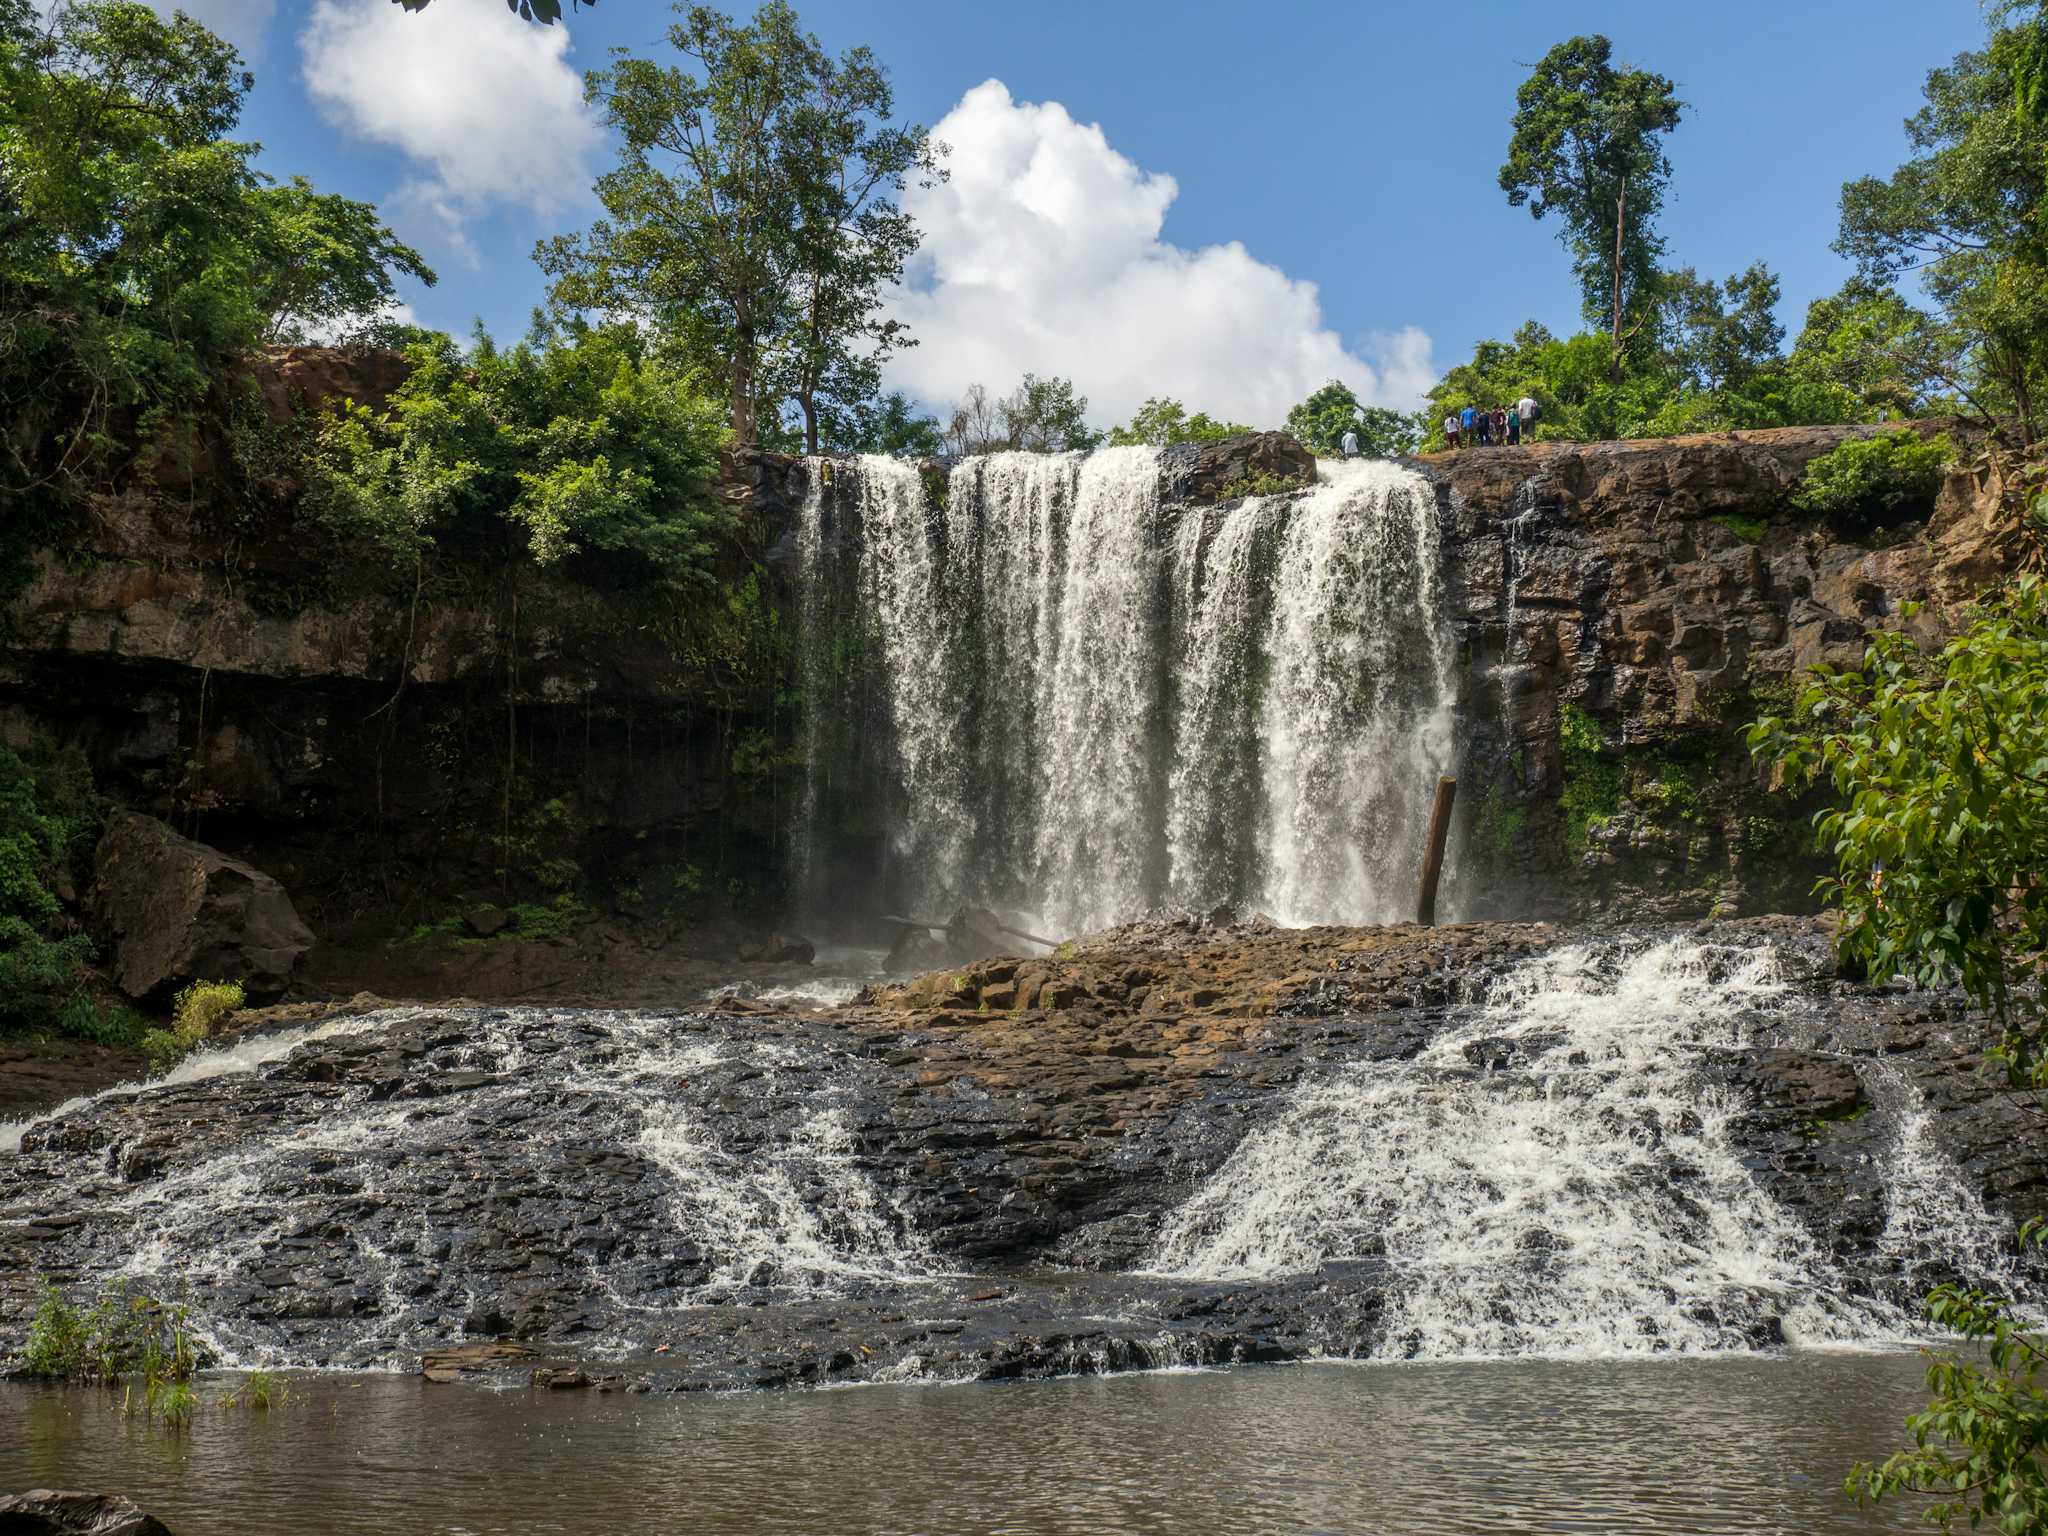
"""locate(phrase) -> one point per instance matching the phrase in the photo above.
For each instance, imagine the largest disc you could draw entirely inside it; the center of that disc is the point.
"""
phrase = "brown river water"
(1750, 1444)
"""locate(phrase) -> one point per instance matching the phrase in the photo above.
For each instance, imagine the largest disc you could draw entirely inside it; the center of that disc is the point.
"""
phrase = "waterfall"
(1087, 704)
(1555, 1175)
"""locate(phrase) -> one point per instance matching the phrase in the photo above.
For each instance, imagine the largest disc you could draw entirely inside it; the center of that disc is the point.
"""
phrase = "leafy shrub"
(195, 1013)
(47, 819)
(579, 444)
(1870, 482)
(125, 1333)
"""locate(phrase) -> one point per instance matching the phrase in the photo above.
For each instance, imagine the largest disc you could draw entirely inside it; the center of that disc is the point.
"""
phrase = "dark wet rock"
(51, 1512)
(177, 911)
(1207, 472)
(518, 1190)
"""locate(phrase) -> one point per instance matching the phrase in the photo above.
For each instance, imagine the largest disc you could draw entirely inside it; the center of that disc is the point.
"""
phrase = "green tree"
(887, 425)
(1940, 765)
(1320, 422)
(1964, 216)
(139, 249)
(326, 261)
(1721, 335)
(1039, 416)
(1587, 143)
(1878, 351)
(580, 446)
(749, 216)
(1160, 421)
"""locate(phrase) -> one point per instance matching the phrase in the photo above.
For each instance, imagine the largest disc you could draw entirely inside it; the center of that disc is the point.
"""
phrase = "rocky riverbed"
(1173, 1143)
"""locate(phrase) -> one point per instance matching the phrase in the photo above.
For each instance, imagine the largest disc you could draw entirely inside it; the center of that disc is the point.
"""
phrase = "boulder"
(54, 1512)
(175, 911)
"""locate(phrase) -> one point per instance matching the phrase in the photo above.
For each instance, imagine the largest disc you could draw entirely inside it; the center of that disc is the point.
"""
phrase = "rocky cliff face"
(1624, 608)
(381, 745)
(386, 749)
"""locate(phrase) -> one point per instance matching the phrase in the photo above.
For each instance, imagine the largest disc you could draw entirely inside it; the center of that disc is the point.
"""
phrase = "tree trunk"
(743, 387)
(810, 407)
(1620, 224)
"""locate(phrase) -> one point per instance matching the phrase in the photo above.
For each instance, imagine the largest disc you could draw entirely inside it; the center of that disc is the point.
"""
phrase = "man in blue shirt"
(1465, 422)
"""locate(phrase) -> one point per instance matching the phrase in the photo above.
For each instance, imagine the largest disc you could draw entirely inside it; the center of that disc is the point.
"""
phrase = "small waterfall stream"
(1079, 702)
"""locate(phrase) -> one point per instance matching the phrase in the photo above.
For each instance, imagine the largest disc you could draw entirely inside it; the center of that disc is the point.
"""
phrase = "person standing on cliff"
(1514, 428)
(1350, 445)
(1465, 420)
(1451, 430)
(1500, 425)
(1525, 412)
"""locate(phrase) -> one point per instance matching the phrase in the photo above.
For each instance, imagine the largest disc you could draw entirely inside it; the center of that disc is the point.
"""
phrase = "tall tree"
(1965, 215)
(1160, 421)
(750, 213)
(1320, 422)
(1587, 143)
(1039, 416)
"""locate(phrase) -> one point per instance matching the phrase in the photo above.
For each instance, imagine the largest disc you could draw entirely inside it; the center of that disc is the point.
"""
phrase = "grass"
(1750, 530)
(126, 1337)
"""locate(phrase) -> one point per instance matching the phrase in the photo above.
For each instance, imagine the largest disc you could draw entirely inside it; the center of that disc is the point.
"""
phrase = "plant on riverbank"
(195, 1013)
(124, 1337)
(1941, 764)
(259, 1392)
(48, 818)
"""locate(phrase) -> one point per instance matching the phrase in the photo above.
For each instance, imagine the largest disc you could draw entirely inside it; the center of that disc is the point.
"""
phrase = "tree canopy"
(139, 248)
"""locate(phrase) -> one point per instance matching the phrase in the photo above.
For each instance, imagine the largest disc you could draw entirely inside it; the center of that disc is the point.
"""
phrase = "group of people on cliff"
(1477, 427)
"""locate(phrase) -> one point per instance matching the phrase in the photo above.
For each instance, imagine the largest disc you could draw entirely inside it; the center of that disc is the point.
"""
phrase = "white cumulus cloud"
(485, 109)
(1042, 253)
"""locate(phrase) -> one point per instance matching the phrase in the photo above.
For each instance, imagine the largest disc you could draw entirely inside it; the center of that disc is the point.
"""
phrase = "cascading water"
(356, 1224)
(1092, 704)
(1555, 1175)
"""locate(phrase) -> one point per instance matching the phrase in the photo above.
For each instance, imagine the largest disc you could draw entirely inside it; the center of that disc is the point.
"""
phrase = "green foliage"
(1873, 481)
(47, 820)
(749, 217)
(1940, 763)
(204, 1005)
(259, 1392)
(1592, 781)
(1039, 416)
(885, 425)
(1750, 530)
(1262, 483)
(1160, 421)
(124, 1334)
(576, 445)
(140, 251)
(1320, 422)
(1586, 143)
(1500, 825)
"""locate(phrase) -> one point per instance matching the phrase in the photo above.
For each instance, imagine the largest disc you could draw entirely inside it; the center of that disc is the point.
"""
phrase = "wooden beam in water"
(1433, 860)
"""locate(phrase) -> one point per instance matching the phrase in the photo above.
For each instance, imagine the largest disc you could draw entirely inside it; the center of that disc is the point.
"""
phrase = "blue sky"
(1353, 148)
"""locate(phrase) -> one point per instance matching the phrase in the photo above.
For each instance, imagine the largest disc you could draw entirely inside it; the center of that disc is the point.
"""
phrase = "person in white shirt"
(1350, 445)
(1451, 430)
(1526, 409)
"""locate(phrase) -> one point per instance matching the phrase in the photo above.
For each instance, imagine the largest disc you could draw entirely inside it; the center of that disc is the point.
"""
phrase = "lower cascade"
(1650, 1144)
(1039, 688)
(1557, 1174)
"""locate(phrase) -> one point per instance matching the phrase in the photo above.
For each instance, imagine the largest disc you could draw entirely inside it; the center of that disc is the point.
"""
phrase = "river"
(1752, 1444)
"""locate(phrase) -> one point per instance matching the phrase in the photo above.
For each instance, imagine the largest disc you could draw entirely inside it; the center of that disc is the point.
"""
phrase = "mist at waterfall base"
(1038, 687)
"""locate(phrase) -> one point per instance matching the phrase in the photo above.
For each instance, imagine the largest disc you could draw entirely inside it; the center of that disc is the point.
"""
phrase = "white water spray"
(1094, 709)
(1555, 1176)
